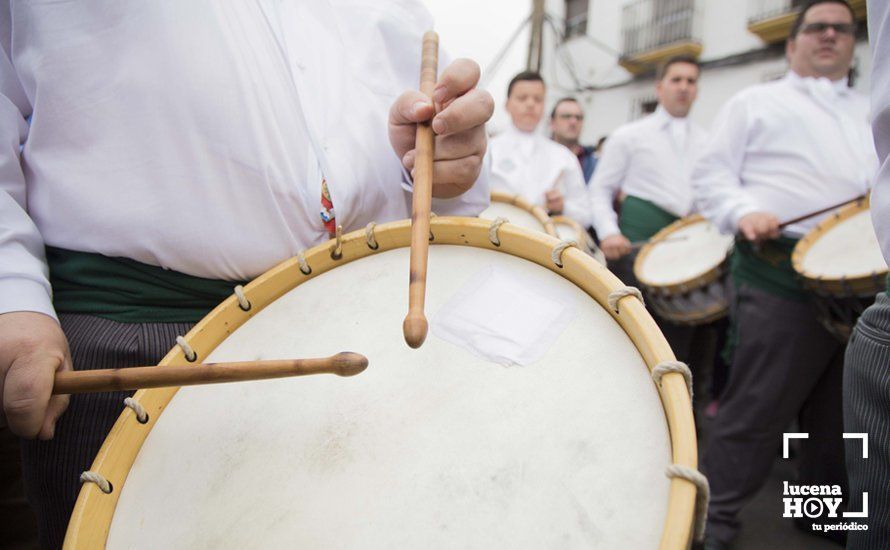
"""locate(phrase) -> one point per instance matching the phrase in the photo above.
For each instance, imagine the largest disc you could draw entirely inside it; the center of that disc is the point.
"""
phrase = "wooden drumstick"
(134, 378)
(822, 211)
(415, 325)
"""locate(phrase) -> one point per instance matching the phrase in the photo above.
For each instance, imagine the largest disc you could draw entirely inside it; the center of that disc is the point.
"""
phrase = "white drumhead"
(686, 253)
(516, 215)
(849, 248)
(428, 448)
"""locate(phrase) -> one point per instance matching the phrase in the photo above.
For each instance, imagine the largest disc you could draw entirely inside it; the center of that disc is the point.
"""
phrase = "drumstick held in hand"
(415, 325)
(134, 378)
(822, 211)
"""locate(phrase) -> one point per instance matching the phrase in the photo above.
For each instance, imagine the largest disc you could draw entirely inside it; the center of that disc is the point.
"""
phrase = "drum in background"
(428, 448)
(683, 269)
(518, 211)
(568, 229)
(840, 261)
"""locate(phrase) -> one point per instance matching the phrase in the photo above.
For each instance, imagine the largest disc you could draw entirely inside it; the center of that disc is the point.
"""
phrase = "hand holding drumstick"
(444, 156)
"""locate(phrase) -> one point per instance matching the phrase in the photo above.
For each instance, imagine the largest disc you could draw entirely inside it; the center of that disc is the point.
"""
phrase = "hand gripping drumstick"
(415, 325)
(342, 364)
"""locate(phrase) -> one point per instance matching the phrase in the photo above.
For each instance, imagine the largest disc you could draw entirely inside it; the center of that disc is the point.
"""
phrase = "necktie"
(328, 216)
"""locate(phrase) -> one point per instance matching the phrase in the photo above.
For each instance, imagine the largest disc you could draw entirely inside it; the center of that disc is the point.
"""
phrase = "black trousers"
(785, 366)
(867, 410)
(52, 468)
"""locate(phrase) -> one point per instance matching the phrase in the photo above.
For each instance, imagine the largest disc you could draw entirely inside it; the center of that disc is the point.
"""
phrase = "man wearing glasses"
(778, 151)
(566, 121)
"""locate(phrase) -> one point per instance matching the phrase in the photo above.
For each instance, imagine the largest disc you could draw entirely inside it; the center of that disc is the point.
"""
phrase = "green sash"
(640, 219)
(128, 291)
(768, 269)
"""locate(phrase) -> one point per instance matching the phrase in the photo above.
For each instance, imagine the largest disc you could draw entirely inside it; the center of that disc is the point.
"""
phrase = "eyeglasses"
(839, 28)
(567, 116)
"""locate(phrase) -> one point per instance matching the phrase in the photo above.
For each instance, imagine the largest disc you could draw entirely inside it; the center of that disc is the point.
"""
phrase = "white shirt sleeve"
(24, 277)
(879, 31)
(577, 202)
(716, 182)
(606, 182)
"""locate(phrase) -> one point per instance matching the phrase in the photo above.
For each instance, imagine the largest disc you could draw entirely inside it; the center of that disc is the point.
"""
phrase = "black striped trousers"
(52, 469)
(867, 410)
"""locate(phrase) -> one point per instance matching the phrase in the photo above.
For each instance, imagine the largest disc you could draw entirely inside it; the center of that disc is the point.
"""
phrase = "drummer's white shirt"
(650, 159)
(194, 135)
(879, 31)
(787, 147)
(529, 164)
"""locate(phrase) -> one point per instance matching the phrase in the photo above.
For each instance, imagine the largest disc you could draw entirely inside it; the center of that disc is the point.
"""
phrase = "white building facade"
(603, 52)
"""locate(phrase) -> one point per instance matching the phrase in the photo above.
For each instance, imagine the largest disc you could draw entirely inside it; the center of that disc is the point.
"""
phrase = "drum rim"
(519, 201)
(94, 510)
(701, 280)
(860, 284)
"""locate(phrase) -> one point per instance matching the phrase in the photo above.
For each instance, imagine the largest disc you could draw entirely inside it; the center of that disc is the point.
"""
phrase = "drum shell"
(700, 300)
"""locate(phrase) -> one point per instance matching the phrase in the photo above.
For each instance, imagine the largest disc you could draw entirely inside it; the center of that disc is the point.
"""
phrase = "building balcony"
(653, 31)
(771, 20)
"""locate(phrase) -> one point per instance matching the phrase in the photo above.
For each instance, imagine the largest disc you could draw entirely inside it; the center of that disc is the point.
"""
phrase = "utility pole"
(536, 44)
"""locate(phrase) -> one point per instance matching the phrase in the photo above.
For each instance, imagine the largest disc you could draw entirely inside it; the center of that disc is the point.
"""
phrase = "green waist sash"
(128, 291)
(768, 268)
(640, 219)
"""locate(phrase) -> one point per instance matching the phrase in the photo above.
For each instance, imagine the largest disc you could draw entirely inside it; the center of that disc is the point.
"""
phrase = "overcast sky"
(478, 29)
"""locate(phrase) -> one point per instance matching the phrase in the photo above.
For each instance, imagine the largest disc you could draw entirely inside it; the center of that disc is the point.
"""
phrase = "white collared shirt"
(529, 164)
(195, 135)
(651, 159)
(879, 31)
(788, 147)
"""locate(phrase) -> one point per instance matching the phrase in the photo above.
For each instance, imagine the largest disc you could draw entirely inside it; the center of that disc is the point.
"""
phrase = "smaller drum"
(682, 270)
(568, 229)
(840, 261)
(519, 212)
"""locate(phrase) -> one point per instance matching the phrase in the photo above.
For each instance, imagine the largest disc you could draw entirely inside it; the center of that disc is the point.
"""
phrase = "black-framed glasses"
(567, 116)
(839, 28)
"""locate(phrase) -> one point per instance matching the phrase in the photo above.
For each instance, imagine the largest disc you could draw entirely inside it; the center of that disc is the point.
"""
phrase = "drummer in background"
(566, 123)
(153, 179)
(779, 151)
(526, 163)
(867, 362)
(648, 162)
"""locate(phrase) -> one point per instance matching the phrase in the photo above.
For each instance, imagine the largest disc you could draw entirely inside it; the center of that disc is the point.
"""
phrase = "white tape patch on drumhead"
(504, 318)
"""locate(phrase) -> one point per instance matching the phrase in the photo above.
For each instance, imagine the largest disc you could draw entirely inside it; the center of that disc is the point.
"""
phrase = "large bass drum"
(428, 448)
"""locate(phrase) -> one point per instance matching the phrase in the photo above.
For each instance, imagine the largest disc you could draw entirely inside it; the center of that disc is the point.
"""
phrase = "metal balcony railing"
(761, 10)
(649, 24)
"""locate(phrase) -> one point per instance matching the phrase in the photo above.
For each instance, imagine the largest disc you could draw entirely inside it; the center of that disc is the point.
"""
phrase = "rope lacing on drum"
(616, 295)
(667, 367)
(702, 494)
(243, 302)
(556, 255)
(141, 413)
(98, 479)
(370, 237)
(304, 265)
(190, 354)
(493, 230)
